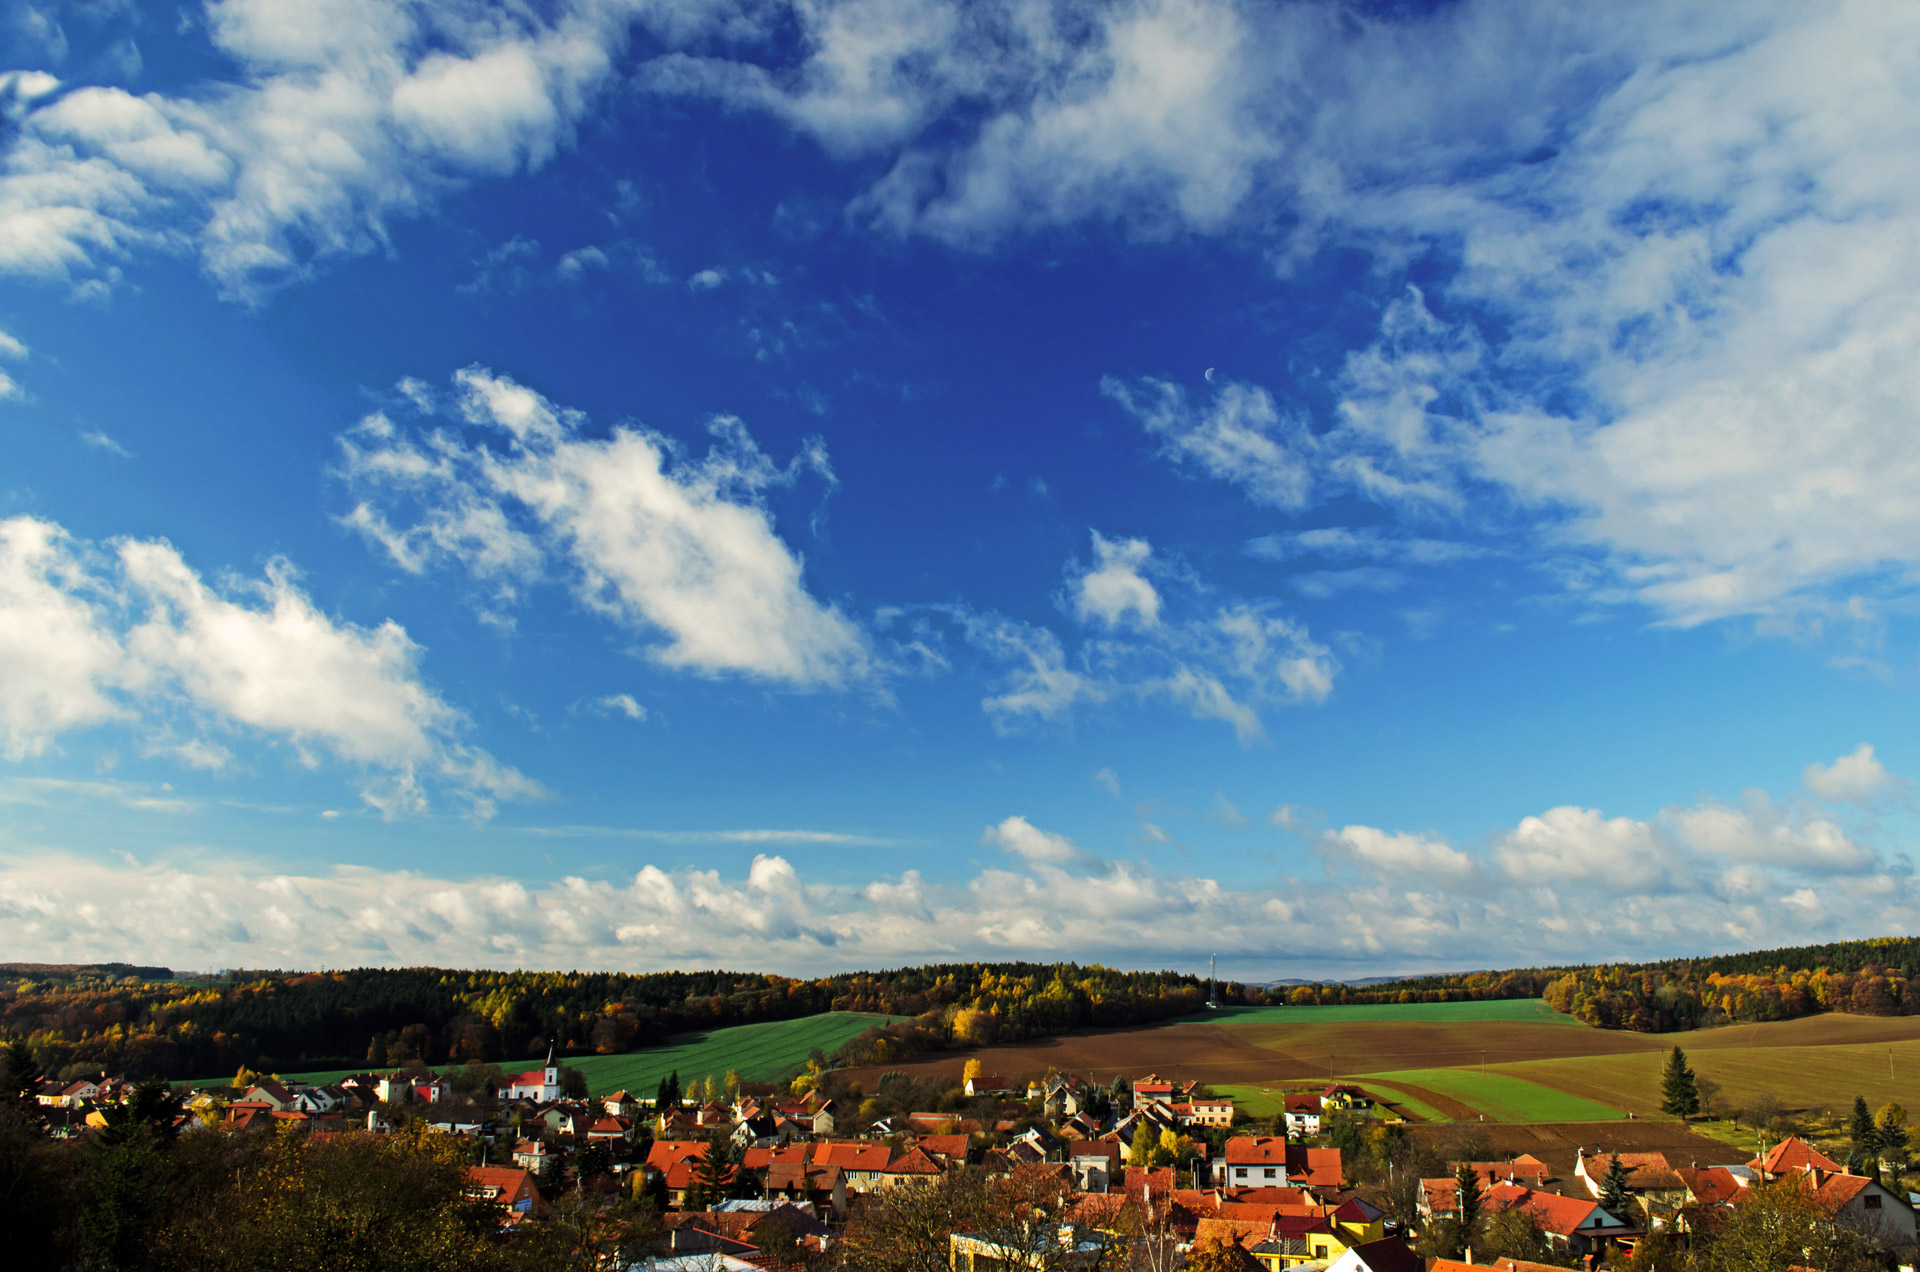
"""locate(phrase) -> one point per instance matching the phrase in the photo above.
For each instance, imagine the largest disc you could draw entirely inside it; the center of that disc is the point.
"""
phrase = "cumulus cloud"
(1669, 314)
(342, 115)
(654, 539)
(1571, 884)
(1409, 853)
(1114, 591)
(1857, 776)
(1028, 842)
(619, 704)
(131, 632)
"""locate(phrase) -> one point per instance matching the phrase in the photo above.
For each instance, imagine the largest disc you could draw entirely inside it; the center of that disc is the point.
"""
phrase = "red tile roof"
(1256, 1150)
(1793, 1154)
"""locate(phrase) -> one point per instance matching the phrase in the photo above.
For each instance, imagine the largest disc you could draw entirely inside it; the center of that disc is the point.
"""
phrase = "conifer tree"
(1616, 1190)
(1679, 1094)
(1466, 1183)
(1864, 1137)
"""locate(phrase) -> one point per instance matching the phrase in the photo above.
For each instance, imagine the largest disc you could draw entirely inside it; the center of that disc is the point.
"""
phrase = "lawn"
(1507, 1010)
(1501, 1096)
(769, 1052)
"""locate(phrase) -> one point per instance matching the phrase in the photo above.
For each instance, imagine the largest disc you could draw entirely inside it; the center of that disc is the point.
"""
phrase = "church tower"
(552, 1077)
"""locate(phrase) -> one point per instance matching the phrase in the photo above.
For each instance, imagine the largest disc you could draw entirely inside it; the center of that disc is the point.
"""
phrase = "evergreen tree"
(1466, 1183)
(1616, 1190)
(1679, 1095)
(1891, 1121)
(1864, 1138)
(714, 1176)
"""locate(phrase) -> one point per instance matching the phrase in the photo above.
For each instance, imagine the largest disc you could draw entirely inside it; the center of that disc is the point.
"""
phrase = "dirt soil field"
(1557, 1144)
(1181, 1050)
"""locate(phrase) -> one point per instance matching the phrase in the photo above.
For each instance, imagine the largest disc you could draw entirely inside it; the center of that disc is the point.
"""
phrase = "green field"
(770, 1052)
(1501, 1096)
(1506, 1010)
(1263, 1102)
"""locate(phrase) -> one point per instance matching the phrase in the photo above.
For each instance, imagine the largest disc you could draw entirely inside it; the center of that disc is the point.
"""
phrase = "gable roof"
(1552, 1212)
(1389, 1254)
(1644, 1170)
(1710, 1185)
(666, 1154)
(1315, 1167)
(1793, 1154)
(1256, 1150)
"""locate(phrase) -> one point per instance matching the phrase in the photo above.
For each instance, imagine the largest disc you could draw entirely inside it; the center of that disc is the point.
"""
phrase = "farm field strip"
(1403, 1099)
(770, 1051)
(1817, 1076)
(1509, 1010)
(1502, 1097)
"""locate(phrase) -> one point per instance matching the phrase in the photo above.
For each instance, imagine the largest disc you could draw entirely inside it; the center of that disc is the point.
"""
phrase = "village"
(1145, 1173)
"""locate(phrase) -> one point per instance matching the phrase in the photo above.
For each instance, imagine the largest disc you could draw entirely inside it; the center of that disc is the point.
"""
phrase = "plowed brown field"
(1558, 1143)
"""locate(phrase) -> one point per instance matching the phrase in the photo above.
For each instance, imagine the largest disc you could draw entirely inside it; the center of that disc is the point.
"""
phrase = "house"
(70, 1095)
(393, 1088)
(1303, 1113)
(535, 1157)
(542, 1084)
(512, 1188)
(320, 1099)
(1351, 1099)
(861, 1163)
(992, 1252)
(1203, 1113)
(621, 1104)
(951, 1150)
(989, 1084)
(1650, 1179)
(1577, 1226)
(1710, 1186)
(611, 1130)
(1095, 1165)
(1388, 1254)
(1154, 1089)
(1792, 1156)
(1867, 1206)
(1251, 1161)
(913, 1166)
(274, 1095)
(433, 1091)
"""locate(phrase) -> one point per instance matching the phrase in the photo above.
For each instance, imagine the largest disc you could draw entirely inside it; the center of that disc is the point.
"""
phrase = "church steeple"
(553, 1070)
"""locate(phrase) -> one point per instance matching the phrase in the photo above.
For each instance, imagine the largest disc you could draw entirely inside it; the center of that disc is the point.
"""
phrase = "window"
(1269, 1172)
(1872, 1202)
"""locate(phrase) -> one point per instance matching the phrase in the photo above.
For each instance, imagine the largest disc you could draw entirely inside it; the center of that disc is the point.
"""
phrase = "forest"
(146, 1022)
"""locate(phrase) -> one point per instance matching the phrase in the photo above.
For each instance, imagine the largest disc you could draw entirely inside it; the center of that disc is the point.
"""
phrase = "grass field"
(1501, 1097)
(770, 1052)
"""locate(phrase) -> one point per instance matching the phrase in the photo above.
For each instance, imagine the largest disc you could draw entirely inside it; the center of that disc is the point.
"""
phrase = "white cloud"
(1763, 832)
(1023, 839)
(1115, 591)
(706, 279)
(650, 537)
(1857, 776)
(1365, 543)
(341, 115)
(1410, 853)
(1569, 885)
(86, 638)
(100, 441)
(1569, 844)
(59, 662)
(622, 704)
(1240, 436)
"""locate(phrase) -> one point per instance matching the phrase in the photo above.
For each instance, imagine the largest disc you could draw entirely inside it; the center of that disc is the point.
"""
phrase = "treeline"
(1462, 987)
(1682, 996)
(291, 1021)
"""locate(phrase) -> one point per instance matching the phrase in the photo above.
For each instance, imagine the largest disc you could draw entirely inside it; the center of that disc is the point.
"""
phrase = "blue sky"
(1351, 488)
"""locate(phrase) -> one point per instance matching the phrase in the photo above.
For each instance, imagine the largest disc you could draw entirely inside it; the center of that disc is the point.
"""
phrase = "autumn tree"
(1780, 1226)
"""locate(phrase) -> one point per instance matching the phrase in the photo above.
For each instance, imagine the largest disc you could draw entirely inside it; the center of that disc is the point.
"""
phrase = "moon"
(1209, 375)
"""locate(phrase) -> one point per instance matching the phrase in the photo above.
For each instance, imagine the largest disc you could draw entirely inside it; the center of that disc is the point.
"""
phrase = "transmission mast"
(1212, 997)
